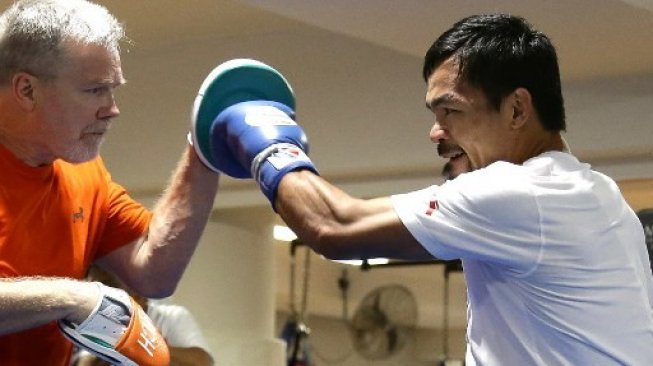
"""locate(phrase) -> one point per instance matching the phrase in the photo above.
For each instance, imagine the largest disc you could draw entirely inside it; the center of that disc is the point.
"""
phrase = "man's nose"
(110, 110)
(438, 133)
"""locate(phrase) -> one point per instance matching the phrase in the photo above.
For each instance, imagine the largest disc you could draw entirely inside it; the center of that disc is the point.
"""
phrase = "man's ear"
(23, 87)
(520, 106)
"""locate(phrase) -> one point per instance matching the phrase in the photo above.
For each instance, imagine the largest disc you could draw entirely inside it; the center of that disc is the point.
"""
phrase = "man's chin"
(456, 166)
(81, 155)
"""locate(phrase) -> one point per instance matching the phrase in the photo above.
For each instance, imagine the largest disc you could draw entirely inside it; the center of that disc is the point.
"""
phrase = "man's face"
(75, 110)
(468, 131)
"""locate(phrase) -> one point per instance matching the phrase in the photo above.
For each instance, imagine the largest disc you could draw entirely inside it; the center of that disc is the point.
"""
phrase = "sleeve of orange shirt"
(126, 219)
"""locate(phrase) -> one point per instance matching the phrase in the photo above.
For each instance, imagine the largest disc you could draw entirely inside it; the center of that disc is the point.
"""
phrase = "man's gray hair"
(33, 34)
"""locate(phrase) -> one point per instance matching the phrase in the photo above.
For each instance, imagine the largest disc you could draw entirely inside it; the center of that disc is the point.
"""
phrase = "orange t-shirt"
(54, 221)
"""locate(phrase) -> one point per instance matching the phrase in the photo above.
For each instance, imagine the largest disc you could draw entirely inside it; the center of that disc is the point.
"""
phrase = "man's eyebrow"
(444, 98)
(109, 81)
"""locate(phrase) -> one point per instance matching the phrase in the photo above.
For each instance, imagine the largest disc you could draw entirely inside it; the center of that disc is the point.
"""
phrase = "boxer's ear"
(519, 106)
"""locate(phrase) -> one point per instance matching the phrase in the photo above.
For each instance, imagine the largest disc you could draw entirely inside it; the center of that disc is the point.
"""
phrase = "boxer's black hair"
(499, 53)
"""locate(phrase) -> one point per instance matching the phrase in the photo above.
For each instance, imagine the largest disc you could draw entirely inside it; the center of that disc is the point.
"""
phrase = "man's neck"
(537, 144)
(23, 153)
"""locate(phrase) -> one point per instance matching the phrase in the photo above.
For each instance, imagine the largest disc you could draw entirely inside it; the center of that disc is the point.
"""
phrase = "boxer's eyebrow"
(444, 98)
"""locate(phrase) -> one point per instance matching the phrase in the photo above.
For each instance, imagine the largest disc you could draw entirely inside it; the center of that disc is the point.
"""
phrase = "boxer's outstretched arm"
(263, 138)
(339, 226)
(154, 265)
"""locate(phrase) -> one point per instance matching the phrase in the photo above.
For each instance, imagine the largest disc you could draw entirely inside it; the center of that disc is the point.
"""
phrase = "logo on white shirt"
(433, 206)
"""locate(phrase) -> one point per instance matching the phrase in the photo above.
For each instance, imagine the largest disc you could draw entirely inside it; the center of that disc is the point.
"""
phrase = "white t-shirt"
(177, 325)
(555, 262)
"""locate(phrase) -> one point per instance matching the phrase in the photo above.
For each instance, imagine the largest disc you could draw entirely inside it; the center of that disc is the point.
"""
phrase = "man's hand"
(118, 331)
(261, 139)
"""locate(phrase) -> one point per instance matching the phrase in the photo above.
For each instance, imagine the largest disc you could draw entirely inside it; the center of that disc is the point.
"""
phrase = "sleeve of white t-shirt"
(490, 215)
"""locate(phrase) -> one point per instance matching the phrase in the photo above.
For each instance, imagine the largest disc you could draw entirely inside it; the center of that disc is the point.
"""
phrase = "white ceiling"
(356, 69)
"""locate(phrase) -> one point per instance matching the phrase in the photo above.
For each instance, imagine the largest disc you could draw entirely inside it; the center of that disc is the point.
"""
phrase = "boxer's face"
(466, 125)
(76, 109)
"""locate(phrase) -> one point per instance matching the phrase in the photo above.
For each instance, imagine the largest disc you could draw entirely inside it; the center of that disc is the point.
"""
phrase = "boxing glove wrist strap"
(118, 331)
(275, 161)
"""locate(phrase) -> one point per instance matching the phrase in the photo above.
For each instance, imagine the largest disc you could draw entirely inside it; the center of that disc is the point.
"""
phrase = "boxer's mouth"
(450, 151)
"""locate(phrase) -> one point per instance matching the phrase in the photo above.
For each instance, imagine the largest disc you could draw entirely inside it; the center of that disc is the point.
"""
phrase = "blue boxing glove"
(259, 139)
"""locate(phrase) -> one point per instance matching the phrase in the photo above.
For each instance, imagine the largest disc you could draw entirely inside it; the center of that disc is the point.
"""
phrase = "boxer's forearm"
(339, 226)
(30, 302)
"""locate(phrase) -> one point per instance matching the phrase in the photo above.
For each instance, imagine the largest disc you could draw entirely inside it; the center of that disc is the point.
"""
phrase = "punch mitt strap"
(119, 332)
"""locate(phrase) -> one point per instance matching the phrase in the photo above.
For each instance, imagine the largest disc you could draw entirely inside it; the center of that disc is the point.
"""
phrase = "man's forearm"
(30, 302)
(177, 225)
